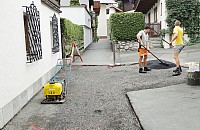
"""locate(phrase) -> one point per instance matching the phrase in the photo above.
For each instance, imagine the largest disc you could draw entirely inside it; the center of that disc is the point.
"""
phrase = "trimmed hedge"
(70, 30)
(125, 26)
(72, 33)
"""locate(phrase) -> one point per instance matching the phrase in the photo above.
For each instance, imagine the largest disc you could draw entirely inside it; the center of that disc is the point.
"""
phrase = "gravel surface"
(96, 100)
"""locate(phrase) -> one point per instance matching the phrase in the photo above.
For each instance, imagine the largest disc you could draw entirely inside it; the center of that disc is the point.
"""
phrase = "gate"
(156, 27)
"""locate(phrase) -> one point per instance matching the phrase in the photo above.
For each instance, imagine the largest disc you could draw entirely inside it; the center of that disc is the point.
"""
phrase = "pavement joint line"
(110, 65)
(134, 112)
(116, 65)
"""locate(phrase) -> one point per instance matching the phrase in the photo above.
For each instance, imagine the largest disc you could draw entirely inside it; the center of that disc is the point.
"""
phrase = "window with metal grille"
(32, 33)
(54, 33)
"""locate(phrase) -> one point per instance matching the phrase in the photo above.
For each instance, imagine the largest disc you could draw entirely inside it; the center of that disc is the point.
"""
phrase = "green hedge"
(74, 3)
(72, 33)
(125, 26)
(70, 30)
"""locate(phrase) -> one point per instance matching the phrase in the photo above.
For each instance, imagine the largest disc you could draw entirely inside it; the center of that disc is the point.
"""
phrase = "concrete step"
(155, 42)
(155, 38)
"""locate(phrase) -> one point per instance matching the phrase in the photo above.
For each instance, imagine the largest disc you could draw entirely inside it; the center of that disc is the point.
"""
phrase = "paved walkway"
(99, 53)
(170, 108)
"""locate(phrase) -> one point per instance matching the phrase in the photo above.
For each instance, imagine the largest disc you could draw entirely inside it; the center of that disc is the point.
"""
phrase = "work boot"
(147, 69)
(177, 72)
(178, 68)
(142, 71)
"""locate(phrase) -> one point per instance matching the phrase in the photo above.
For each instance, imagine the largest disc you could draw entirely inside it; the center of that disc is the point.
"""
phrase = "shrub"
(125, 26)
(188, 12)
(74, 3)
(72, 33)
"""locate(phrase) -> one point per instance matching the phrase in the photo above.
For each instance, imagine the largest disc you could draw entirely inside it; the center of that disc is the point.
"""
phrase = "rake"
(161, 62)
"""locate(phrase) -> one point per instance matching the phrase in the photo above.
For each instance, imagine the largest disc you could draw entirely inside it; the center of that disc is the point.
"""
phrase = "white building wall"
(80, 16)
(67, 3)
(86, 2)
(161, 15)
(87, 36)
(111, 11)
(75, 14)
(20, 81)
(102, 25)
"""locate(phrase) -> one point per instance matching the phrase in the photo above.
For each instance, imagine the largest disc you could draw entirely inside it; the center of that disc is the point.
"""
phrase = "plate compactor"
(55, 92)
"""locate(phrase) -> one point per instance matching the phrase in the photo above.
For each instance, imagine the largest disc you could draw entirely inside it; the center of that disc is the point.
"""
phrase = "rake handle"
(152, 54)
(162, 38)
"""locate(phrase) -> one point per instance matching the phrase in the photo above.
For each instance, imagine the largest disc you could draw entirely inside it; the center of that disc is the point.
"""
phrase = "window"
(149, 18)
(155, 14)
(54, 34)
(107, 11)
(32, 33)
(161, 9)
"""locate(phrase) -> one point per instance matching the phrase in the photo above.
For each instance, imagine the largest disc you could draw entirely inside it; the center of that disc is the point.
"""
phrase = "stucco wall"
(17, 76)
(67, 3)
(87, 36)
(161, 17)
(102, 25)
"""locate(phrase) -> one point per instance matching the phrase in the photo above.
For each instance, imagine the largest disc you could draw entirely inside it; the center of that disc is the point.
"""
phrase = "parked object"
(55, 91)
(193, 78)
(193, 73)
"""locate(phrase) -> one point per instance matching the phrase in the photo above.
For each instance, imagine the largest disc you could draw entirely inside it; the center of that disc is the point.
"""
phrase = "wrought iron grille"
(34, 47)
(55, 48)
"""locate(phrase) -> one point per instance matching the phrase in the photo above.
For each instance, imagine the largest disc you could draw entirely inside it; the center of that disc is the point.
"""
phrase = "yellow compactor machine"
(55, 90)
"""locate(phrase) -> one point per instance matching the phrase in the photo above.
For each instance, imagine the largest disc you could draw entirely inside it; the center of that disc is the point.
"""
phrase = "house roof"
(106, 1)
(117, 9)
(144, 5)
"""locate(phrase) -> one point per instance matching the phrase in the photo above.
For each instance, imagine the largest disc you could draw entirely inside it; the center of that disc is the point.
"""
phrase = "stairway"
(155, 42)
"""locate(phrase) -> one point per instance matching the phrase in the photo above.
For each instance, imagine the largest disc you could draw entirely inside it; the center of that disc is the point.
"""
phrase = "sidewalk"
(99, 53)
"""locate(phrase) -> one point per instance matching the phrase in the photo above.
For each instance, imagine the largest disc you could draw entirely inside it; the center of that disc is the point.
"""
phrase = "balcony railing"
(155, 29)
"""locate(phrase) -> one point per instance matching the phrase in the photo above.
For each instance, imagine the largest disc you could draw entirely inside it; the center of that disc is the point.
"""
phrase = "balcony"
(96, 7)
(144, 5)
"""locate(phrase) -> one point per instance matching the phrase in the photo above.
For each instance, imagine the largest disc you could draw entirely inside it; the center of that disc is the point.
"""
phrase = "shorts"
(142, 51)
(179, 48)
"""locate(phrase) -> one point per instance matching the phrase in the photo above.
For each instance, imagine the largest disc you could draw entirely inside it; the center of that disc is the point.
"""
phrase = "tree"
(188, 12)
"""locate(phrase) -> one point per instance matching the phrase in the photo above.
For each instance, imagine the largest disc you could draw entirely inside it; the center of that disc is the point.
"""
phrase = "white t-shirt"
(144, 37)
